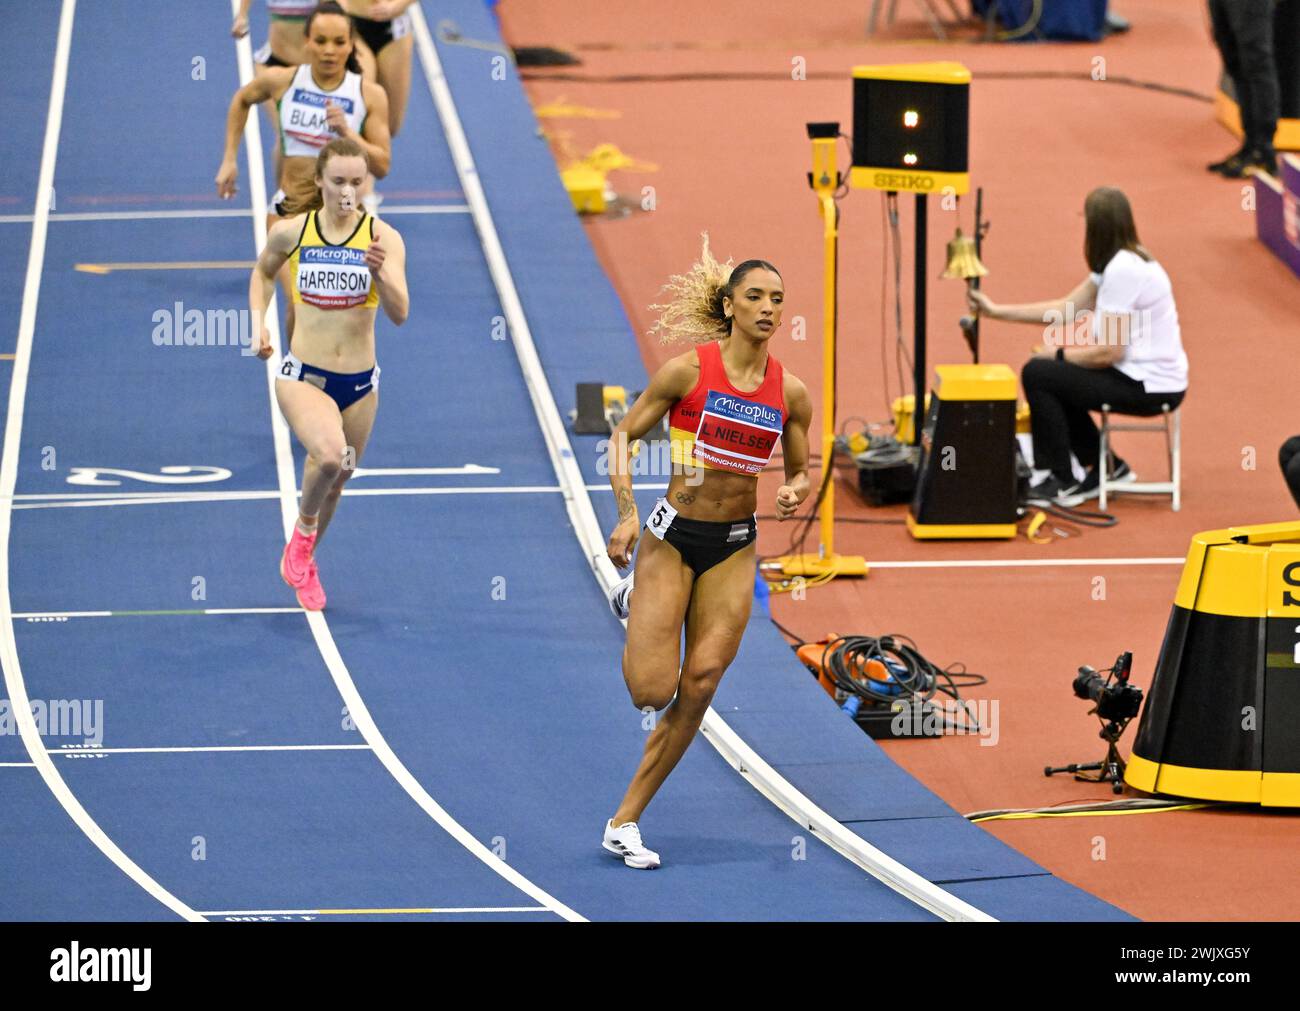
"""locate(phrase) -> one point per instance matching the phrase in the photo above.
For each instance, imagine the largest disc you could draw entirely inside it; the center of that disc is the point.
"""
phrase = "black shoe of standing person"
(1263, 160)
(1233, 159)
(1255, 160)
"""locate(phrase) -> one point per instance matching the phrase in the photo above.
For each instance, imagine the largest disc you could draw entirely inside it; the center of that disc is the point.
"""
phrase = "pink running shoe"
(311, 595)
(295, 563)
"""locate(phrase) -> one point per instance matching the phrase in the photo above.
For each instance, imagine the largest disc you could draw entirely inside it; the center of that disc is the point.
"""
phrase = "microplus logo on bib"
(743, 410)
(333, 255)
(301, 97)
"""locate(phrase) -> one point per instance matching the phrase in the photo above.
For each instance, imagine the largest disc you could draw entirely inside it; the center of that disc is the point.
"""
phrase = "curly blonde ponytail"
(694, 311)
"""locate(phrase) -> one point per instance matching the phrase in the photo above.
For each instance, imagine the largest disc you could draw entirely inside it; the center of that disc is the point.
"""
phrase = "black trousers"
(1061, 394)
(1289, 457)
(1243, 31)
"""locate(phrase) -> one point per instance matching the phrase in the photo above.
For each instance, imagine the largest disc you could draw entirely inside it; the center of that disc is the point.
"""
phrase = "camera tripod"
(1109, 770)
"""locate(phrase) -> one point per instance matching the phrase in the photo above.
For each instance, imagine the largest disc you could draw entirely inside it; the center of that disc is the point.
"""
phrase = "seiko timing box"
(966, 479)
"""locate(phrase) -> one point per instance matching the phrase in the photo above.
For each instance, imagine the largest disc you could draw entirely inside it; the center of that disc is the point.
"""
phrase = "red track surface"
(732, 156)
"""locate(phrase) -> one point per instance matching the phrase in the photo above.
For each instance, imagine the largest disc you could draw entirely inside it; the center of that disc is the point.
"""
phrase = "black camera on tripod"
(1116, 699)
(1116, 703)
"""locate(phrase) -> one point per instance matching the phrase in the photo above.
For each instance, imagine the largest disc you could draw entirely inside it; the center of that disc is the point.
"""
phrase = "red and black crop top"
(722, 428)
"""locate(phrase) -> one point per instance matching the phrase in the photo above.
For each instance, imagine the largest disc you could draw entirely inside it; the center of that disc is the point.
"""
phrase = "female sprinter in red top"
(729, 401)
(343, 265)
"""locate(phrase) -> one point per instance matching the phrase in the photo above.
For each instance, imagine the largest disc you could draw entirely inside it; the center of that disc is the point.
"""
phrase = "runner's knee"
(328, 458)
(648, 691)
(699, 682)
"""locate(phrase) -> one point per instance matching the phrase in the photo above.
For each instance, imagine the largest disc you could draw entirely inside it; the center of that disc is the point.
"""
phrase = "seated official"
(1131, 357)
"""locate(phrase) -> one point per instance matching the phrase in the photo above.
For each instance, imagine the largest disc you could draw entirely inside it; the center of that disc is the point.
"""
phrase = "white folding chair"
(1171, 424)
(928, 6)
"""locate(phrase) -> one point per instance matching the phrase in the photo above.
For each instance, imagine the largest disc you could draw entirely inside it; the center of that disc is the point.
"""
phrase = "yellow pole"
(830, 235)
(825, 181)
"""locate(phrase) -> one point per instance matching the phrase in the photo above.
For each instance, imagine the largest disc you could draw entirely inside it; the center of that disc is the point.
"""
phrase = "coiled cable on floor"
(846, 661)
(912, 678)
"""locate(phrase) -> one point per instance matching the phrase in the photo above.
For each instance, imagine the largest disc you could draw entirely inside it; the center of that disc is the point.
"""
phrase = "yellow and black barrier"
(1222, 717)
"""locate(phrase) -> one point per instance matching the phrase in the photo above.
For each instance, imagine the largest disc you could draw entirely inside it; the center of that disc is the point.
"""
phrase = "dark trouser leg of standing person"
(1061, 395)
(1289, 457)
(1253, 28)
(1226, 42)
(1243, 33)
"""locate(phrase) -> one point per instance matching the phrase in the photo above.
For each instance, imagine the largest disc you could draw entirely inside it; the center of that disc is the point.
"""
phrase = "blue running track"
(228, 766)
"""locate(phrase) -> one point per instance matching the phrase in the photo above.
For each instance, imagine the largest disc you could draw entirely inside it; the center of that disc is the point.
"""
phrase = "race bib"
(737, 434)
(661, 518)
(333, 277)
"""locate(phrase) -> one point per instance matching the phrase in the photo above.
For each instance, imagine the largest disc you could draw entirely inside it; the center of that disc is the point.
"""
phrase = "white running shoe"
(620, 597)
(625, 841)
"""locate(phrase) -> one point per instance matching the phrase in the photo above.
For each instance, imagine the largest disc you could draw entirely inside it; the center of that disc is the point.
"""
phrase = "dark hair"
(694, 310)
(332, 7)
(1109, 227)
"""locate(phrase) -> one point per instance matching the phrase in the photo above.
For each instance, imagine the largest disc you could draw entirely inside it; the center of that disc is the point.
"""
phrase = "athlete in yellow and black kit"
(343, 265)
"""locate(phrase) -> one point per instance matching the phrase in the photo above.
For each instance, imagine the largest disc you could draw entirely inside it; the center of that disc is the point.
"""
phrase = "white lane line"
(94, 499)
(466, 910)
(465, 468)
(320, 629)
(215, 496)
(17, 765)
(164, 498)
(252, 610)
(587, 529)
(225, 212)
(60, 615)
(13, 675)
(55, 615)
(222, 212)
(202, 749)
(385, 209)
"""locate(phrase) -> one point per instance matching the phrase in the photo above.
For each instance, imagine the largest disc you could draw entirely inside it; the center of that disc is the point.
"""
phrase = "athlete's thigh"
(395, 75)
(366, 60)
(718, 613)
(313, 416)
(659, 598)
(358, 421)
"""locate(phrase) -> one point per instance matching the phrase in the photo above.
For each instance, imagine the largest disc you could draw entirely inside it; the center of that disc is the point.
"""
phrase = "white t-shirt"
(1137, 288)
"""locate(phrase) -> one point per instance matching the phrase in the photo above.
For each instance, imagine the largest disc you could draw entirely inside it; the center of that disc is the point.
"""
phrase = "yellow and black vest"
(331, 276)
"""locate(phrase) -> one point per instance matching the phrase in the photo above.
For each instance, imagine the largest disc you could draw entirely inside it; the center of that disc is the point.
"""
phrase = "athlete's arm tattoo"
(626, 504)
